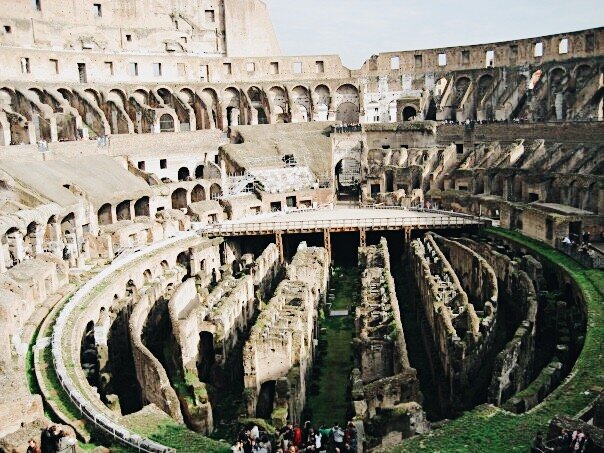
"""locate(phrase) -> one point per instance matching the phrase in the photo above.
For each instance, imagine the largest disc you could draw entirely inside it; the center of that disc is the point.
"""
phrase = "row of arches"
(180, 198)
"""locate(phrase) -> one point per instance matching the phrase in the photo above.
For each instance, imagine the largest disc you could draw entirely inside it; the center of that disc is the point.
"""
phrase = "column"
(327, 242)
(279, 242)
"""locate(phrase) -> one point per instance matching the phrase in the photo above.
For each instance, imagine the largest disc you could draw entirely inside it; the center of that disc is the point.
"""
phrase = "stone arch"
(460, 88)
(209, 97)
(232, 102)
(322, 101)
(122, 211)
(179, 198)
(497, 185)
(183, 259)
(301, 104)
(348, 104)
(198, 193)
(259, 102)
(279, 100)
(166, 95)
(95, 95)
(199, 172)
(141, 207)
(104, 214)
(68, 223)
(184, 174)
(485, 82)
(167, 123)
(409, 112)
(147, 276)
(215, 191)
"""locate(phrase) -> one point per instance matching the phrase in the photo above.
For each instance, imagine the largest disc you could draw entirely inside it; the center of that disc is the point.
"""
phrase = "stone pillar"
(31, 131)
(279, 242)
(16, 245)
(362, 237)
(38, 241)
(327, 242)
(54, 132)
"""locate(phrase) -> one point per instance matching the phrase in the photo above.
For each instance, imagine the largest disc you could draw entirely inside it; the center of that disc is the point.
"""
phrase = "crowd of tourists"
(568, 442)
(298, 439)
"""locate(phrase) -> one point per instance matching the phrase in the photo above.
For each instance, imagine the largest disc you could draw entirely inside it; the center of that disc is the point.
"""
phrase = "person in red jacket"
(298, 436)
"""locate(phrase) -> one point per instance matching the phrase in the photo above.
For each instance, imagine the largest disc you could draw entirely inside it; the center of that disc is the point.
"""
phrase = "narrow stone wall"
(462, 335)
(150, 373)
(513, 366)
(384, 381)
(281, 344)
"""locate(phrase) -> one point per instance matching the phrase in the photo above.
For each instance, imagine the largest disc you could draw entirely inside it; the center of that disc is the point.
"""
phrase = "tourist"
(287, 435)
(586, 237)
(578, 440)
(325, 434)
(32, 447)
(50, 437)
(566, 240)
(351, 437)
(254, 432)
(338, 437)
(238, 447)
(537, 445)
(298, 436)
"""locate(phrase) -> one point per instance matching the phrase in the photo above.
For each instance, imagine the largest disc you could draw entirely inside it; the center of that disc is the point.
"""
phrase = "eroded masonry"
(199, 234)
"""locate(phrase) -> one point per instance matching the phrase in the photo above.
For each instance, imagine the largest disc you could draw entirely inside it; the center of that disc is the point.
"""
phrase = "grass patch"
(330, 399)
(490, 429)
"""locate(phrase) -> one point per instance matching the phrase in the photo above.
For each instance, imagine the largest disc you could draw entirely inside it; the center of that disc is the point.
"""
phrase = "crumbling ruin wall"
(150, 373)
(462, 339)
(513, 365)
(281, 344)
(384, 379)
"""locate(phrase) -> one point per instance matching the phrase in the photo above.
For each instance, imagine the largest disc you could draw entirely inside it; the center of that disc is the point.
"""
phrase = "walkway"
(341, 219)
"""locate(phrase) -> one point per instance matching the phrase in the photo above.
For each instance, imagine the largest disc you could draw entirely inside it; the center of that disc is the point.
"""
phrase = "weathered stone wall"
(462, 335)
(384, 379)
(513, 365)
(151, 375)
(281, 344)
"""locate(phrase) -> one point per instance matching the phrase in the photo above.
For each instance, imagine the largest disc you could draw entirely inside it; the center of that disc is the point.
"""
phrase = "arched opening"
(166, 123)
(409, 113)
(348, 177)
(104, 214)
(347, 97)
(207, 356)
(141, 207)
(199, 172)
(179, 199)
(68, 225)
(266, 400)
(123, 211)
(30, 238)
(257, 100)
(198, 194)
(183, 174)
(215, 191)
(183, 260)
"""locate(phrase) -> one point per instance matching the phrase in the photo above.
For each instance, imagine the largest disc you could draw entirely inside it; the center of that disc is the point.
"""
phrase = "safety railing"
(314, 225)
(84, 406)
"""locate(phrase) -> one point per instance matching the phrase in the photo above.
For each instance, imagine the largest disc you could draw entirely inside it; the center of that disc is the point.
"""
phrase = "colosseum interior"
(201, 235)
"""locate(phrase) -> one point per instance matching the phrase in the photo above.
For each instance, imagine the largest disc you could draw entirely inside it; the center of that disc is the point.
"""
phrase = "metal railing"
(335, 224)
(85, 407)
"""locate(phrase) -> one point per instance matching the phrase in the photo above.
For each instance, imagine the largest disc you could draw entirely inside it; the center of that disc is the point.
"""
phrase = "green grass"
(490, 429)
(331, 402)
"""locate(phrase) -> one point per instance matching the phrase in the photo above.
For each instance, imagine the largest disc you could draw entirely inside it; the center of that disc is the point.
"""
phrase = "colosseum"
(207, 244)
